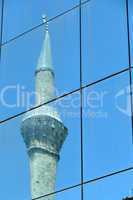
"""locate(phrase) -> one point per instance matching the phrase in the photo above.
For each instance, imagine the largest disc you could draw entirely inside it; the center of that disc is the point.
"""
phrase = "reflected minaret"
(42, 129)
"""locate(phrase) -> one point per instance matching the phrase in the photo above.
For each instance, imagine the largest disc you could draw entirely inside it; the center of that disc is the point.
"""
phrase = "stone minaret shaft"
(42, 129)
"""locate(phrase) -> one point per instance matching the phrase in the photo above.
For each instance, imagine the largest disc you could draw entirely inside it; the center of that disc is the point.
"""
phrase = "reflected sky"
(107, 142)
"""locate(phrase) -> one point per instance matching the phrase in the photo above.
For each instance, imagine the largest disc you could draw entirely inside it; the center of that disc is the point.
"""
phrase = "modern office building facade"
(66, 125)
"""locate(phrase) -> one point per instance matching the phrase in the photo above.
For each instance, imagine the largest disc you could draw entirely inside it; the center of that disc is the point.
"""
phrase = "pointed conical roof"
(45, 59)
(45, 63)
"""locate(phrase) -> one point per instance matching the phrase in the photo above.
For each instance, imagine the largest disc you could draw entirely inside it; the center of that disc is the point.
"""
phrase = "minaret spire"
(44, 71)
(42, 129)
(45, 59)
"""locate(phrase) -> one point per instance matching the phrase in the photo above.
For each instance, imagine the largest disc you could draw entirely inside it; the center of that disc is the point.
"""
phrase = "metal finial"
(44, 18)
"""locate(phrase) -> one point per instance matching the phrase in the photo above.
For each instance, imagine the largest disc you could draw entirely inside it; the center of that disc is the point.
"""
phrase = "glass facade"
(91, 45)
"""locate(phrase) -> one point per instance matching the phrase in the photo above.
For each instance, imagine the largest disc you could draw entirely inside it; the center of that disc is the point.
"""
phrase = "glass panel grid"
(73, 113)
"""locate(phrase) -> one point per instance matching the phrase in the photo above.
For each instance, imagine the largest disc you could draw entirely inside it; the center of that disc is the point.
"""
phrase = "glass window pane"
(20, 59)
(14, 168)
(104, 39)
(130, 4)
(69, 171)
(20, 15)
(114, 187)
(107, 127)
(65, 112)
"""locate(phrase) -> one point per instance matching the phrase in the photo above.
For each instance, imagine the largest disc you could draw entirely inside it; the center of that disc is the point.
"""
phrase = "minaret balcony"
(44, 132)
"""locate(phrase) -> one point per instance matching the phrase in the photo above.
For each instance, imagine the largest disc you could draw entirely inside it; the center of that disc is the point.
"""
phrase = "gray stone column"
(45, 89)
(43, 173)
(44, 137)
(42, 129)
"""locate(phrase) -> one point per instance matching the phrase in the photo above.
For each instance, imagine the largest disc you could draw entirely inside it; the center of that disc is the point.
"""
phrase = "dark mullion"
(130, 64)
(81, 100)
